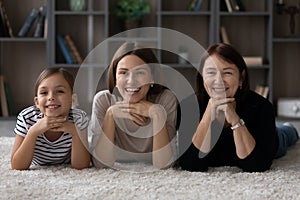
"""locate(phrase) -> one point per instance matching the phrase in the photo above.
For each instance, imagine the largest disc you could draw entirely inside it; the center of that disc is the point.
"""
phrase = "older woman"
(237, 126)
(134, 120)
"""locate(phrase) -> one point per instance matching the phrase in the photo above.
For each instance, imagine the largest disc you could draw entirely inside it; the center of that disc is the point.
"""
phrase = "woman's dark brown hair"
(230, 55)
(146, 54)
(54, 70)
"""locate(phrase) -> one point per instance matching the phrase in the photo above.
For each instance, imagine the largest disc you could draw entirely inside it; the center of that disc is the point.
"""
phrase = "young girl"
(51, 132)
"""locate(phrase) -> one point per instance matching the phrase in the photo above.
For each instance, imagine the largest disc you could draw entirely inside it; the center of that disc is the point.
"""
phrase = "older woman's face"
(221, 79)
(133, 78)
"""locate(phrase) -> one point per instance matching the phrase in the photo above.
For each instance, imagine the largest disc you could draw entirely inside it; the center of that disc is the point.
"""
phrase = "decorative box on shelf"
(289, 107)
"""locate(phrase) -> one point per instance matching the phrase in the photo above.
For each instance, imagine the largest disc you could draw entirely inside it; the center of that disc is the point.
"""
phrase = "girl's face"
(221, 79)
(133, 78)
(54, 96)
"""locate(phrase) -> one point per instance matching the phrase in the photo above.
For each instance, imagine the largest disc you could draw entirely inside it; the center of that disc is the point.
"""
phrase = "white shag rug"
(282, 181)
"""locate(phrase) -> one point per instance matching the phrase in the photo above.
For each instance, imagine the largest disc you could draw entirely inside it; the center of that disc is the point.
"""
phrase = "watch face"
(242, 122)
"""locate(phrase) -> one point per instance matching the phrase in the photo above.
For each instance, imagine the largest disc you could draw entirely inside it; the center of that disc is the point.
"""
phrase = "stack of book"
(69, 49)
(263, 90)
(253, 60)
(36, 21)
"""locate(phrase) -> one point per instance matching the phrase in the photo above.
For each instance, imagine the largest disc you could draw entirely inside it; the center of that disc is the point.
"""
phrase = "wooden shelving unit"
(257, 31)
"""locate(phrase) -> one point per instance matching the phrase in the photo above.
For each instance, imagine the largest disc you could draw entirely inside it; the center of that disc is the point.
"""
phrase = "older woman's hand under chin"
(225, 106)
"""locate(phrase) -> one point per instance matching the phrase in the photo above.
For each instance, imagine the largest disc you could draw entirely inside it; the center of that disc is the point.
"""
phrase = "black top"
(258, 114)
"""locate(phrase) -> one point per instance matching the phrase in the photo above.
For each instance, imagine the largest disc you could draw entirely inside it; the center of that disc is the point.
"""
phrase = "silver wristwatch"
(239, 124)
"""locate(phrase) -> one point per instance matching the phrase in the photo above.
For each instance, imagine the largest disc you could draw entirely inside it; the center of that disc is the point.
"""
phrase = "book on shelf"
(3, 26)
(224, 35)
(253, 60)
(28, 23)
(3, 99)
(262, 90)
(191, 5)
(39, 29)
(64, 49)
(45, 34)
(266, 92)
(8, 32)
(195, 5)
(232, 5)
(198, 5)
(3, 29)
(73, 49)
(228, 5)
(237, 5)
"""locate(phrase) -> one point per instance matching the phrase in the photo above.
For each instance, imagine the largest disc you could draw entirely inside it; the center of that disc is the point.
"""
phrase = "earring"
(151, 85)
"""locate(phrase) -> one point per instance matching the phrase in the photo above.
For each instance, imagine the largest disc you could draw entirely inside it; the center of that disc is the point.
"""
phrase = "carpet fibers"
(282, 181)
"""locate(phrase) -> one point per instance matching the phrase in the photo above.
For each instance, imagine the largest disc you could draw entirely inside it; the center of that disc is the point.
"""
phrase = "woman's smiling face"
(221, 78)
(133, 78)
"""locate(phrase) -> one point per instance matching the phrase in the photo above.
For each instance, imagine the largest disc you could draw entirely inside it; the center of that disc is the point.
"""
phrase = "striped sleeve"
(79, 118)
(26, 119)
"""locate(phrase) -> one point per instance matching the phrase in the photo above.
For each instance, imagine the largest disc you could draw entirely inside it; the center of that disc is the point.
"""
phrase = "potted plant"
(132, 11)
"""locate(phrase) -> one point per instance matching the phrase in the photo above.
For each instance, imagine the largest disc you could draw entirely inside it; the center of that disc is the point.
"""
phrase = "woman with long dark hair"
(135, 119)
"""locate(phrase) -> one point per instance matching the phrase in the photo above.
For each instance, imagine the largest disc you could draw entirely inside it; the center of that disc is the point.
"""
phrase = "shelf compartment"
(250, 6)
(23, 39)
(286, 39)
(184, 24)
(86, 40)
(79, 13)
(183, 13)
(248, 34)
(179, 5)
(91, 5)
(245, 14)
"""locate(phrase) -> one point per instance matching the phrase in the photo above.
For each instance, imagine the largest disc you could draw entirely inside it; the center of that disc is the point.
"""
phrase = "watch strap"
(239, 124)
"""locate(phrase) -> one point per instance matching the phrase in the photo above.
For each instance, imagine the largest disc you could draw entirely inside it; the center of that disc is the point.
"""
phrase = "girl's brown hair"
(54, 70)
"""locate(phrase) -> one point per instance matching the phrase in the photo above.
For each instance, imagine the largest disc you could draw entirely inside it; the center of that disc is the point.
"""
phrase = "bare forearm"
(244, 142)
(104, 149)
(202, 136)
(162, 157)
(80, 156)
(22, 157)
(162, 149)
